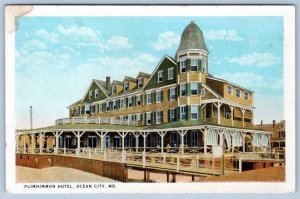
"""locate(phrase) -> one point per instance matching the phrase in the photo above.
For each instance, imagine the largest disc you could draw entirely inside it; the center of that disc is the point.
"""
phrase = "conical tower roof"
(192, 38)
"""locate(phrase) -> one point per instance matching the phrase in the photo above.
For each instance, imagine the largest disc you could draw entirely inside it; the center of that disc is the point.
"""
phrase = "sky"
(57, 58)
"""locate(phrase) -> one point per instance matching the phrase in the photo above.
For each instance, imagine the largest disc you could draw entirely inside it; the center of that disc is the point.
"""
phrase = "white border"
(288, 12)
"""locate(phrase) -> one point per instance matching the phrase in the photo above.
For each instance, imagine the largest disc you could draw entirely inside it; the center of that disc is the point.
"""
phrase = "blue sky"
(57, 57)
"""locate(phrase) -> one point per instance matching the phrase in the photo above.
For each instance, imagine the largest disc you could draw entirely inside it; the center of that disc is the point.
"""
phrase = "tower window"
(160, 76)
(182, 66)
(170, 73)
(194, 64)
(203, 65)
(194, 112)
(194, 88)
(183, 89)
(172, 94)
(183, 112)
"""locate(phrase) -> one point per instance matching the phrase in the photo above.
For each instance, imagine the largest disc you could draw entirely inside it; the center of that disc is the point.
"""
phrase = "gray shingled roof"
(192, 38)
(142, 74)
(102, 85)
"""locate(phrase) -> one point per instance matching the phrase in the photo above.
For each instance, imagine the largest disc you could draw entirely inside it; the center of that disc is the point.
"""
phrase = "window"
(160, 76)
(246, 95)
(238, 92)
(148, 118)
(229, 90)
(194, 64)
(90, 94)
(113, 89)
(183, 89)
(93, 109)
(170, 73)
(194, 112)
(140, 82)
(148, 96)
(138, 117)
(195, 138)
(87, 109)
(172, 94)
(100, 108)
(96, 93)
(138, 100)
(202, 92)
(114, 105)
(172, 115)
(107, 106)
(158, 117)
(129, 101)
(194, 88)
(121, 103)
(174, 139)
(129, 118)
(183, 112)
(203, 65)
(125, 86)
(158, 96)
(182, 66)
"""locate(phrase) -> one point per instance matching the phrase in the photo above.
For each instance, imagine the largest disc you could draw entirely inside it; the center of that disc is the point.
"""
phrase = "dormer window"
(203, 65)
(125, 86)
(96, 93)
(160, 76)
(140, 82)
(229, 90)
(182, 66)
(113, 89)
(194, 64)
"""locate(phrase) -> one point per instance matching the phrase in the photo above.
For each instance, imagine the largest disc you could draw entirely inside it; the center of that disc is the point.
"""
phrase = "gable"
(93, 86)
(164, 65)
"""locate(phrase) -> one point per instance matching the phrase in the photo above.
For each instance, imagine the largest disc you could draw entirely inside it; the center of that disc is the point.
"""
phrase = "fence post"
(164, 156)
(104, 154)
(178, 163)
(64, 150)
(123, 157)
(197, 161)
(144, 159)
(240, 165)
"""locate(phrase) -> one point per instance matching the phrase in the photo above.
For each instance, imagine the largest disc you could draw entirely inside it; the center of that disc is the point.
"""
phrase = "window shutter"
(126, 102)
(153, 117)
(176, 92)
(175, 114)
(142, 117)
(199, 89)
(199, 112)
(188, 88)
(153, 97)
(133, 100)
(169, 115)
(199, 65)
(188, 64)
(142, 81)
(162, 116)
(144, 99)
(178, 113)
(188, 112)
(162, 96)
(145, 119)
(169, 94)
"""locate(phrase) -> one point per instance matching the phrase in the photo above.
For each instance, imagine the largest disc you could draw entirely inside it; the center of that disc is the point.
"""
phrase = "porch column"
(162, 135)
(231, 114)
(123, 135)
(136, 135)
(17, 143)
(243, 113)
(78, 135)
(24, 143)
(232, 142)
(182, 133)
(41, 135)
(144, 134)
(244, 142)
(219, 112)
(56, 142)
(204, 141)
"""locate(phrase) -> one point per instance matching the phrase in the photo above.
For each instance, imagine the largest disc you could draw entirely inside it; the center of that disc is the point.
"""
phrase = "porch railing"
(96, 120)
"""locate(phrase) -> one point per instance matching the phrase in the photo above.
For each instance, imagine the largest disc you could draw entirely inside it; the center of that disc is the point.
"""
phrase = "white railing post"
(90, 153)
(144, 159)
(85, 119)
(99, 120)
(178, 163)
(164, 157)
(65, 151)
(240, 165)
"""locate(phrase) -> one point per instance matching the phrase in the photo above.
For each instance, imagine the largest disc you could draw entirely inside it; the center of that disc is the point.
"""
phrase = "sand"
(56, 174)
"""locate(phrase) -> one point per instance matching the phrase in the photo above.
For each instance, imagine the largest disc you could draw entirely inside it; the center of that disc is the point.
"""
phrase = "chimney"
(261, 122)
(108, 82)
(274, 122)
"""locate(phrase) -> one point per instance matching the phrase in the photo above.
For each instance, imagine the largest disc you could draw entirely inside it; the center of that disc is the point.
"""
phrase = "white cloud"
(166, 40)
(259, 59)
(34, 44)
(229, 35)
(252, 80)
(118, 42)
(78, 31)
(50, 36)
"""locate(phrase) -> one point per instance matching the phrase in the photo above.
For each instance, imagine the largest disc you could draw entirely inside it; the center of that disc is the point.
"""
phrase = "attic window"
(96, 93)
(160, 76)
(229, 90)
(140, 82)
(246, 95)
(170, 73)
(238, 92)
(125, 86)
